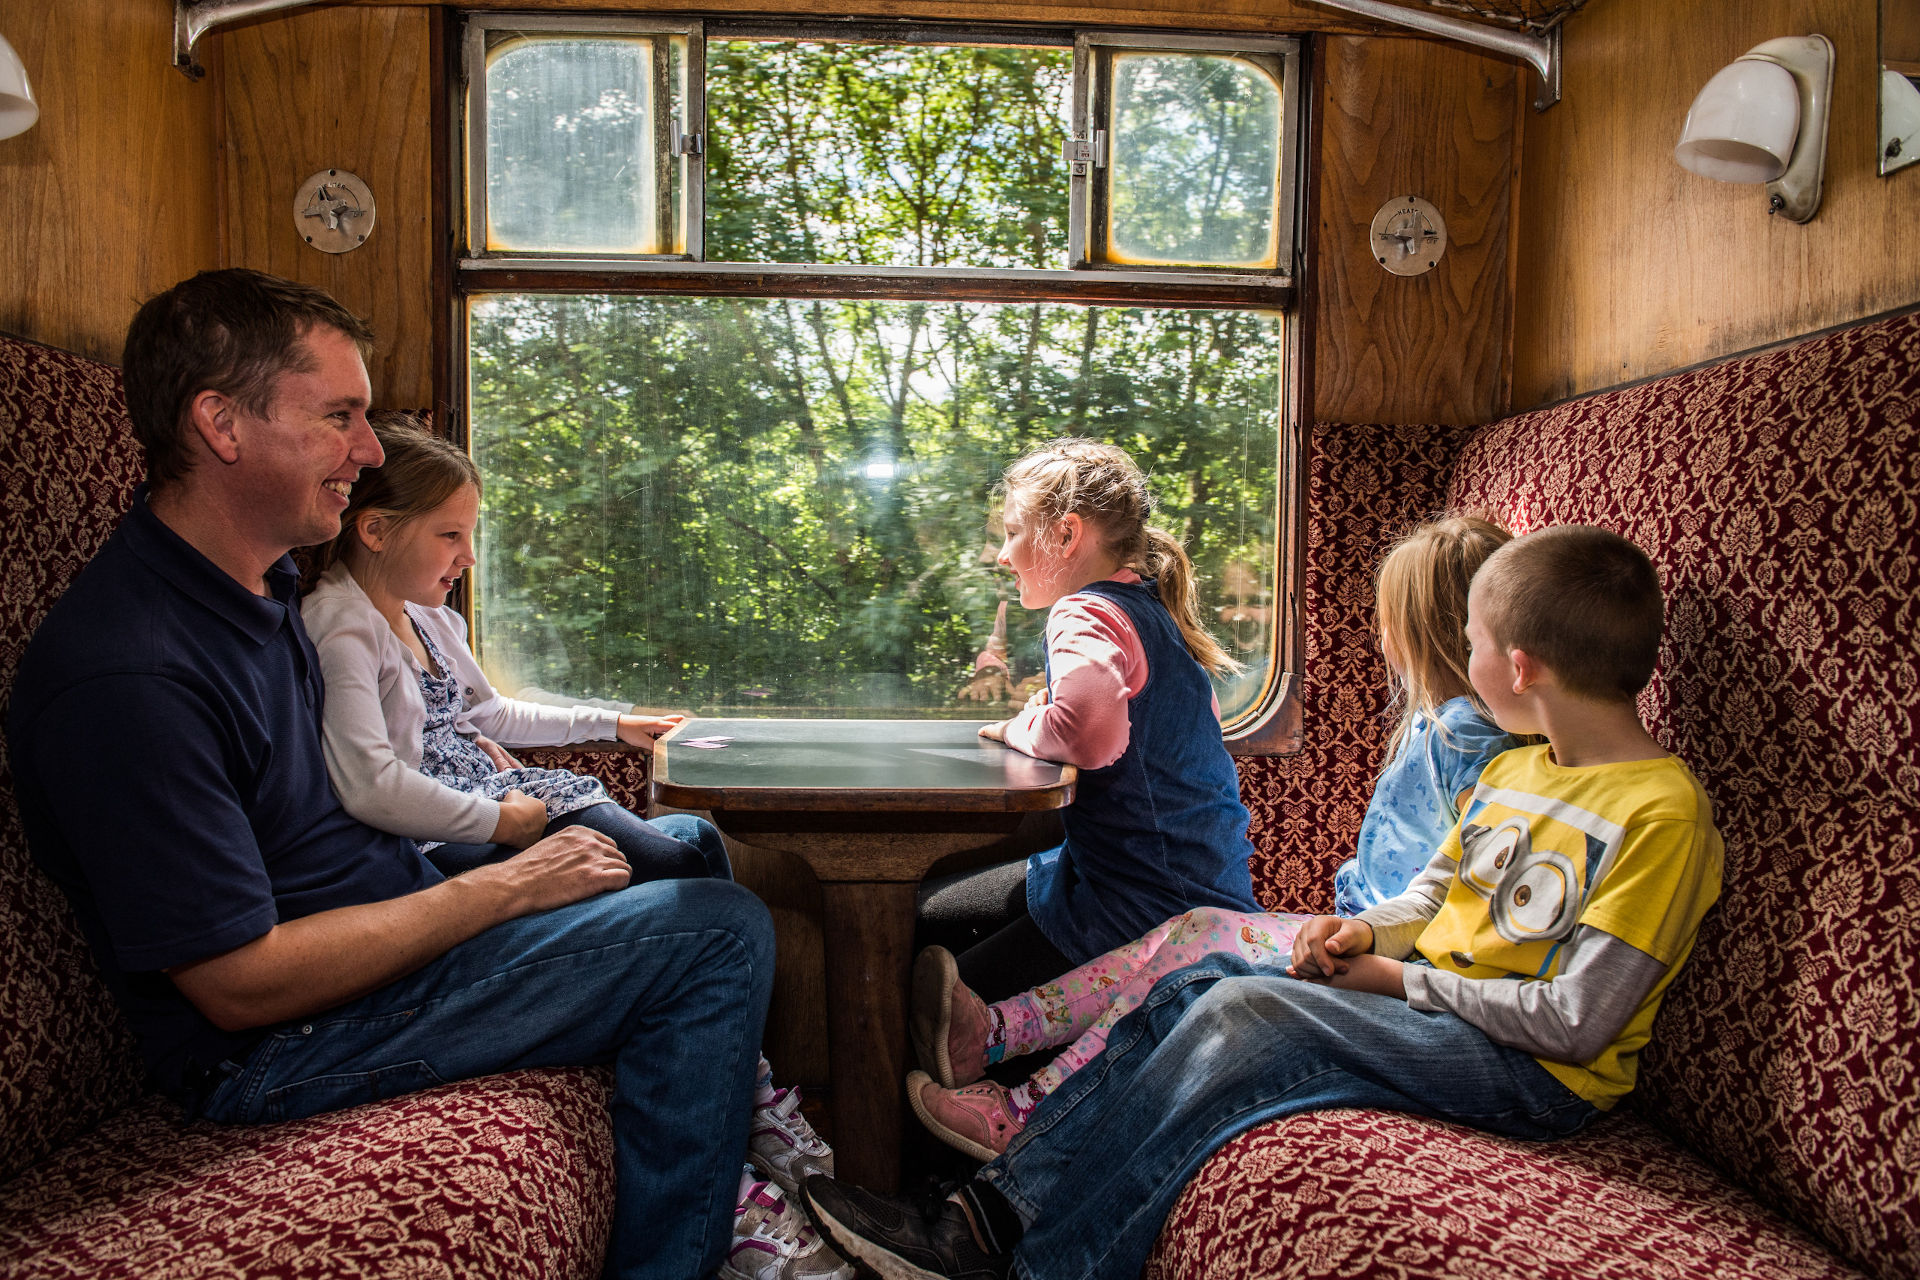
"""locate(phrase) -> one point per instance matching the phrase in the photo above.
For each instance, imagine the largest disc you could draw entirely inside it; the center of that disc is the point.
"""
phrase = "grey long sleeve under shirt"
(1570, 1017)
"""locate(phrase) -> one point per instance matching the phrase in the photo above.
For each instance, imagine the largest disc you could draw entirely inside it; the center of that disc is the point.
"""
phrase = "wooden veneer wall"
(1630, 267)
(115, 193)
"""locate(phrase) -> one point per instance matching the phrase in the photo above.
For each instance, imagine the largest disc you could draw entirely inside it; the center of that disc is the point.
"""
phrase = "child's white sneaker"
(783, 1146)
(772, 1240)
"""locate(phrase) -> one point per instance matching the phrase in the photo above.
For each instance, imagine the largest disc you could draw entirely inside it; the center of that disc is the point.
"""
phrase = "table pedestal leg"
(869, 953)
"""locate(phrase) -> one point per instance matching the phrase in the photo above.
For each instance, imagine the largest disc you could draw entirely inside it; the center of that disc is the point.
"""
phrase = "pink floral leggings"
(1081, 1007)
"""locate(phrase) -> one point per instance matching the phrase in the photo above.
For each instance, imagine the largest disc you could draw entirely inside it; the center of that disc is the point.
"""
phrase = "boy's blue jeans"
(668, 981)
(1216, 1049)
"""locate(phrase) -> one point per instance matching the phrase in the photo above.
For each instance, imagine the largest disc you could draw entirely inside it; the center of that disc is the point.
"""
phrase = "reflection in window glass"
(725, 505)
(886, 155)
(1196, 145)
(570, 157)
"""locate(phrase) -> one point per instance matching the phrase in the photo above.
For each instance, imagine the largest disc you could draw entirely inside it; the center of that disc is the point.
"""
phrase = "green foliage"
(716, 503)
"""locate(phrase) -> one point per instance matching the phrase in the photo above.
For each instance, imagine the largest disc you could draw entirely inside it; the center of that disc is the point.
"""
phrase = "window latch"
(1084, 154)
(685, 144)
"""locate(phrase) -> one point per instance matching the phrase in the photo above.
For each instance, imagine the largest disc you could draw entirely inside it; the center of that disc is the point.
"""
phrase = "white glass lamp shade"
(18, 110)
(1742, 126)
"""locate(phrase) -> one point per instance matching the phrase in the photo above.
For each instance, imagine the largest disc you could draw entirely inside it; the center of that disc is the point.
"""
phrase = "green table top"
(905, 764)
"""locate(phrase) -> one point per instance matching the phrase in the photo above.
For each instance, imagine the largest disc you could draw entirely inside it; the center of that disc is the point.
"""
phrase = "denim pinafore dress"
(1159, 831)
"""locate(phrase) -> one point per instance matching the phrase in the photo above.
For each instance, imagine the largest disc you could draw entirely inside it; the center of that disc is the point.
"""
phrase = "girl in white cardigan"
(410, 720)
(406, 708)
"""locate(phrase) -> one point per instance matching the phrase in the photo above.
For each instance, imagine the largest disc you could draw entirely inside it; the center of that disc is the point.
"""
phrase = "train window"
(941, 127)
(576, 131)
(1194, 174)
(755, 313)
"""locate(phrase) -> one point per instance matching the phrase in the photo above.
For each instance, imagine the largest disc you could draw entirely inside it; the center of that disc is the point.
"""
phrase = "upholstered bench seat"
(1369, 1196)
(510, 1175)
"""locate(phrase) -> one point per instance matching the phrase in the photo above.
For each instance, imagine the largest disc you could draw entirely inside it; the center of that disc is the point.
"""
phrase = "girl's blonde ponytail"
(1166, 562)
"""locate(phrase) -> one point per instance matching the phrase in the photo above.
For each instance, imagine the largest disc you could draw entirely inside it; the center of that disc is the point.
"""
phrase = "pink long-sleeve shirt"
(1098, 667)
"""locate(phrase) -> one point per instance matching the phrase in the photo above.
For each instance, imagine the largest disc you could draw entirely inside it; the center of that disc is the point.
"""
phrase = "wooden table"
(870, 805)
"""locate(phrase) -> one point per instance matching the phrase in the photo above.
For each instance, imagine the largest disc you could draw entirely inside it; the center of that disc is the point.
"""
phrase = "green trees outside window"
(729, 504)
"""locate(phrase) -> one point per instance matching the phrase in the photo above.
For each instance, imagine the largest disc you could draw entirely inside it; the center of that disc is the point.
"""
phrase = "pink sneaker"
(976, 1119)
(948, 1021)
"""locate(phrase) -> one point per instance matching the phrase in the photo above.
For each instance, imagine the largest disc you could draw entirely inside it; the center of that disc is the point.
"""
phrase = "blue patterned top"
(453, 760)
(1414, 803)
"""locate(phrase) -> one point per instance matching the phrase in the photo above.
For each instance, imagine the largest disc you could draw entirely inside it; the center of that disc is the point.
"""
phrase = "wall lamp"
(1763, 118)
(18, 110)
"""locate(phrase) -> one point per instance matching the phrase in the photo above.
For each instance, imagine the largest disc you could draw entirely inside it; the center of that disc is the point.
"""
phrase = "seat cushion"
(68, 467)
(1361, 1194)
(509, 1175)
(1776, 495)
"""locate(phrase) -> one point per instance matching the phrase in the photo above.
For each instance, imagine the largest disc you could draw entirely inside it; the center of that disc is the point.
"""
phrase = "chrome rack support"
(1541, 52)
(194, 18)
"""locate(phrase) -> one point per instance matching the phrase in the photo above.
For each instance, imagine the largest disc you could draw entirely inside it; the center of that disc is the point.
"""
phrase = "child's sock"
(748, 1177)
(763, 1090)
(996, 1034)
(1020, 1025)
(1022, 1099)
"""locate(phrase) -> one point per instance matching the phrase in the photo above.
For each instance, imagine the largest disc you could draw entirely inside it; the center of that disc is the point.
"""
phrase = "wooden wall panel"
(114, 194)
(1409, 117)
(1629, 266)
(344, 88)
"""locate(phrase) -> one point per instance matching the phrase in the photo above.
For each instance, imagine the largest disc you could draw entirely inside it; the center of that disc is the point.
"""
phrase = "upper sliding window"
(608, 139)
(753, 315)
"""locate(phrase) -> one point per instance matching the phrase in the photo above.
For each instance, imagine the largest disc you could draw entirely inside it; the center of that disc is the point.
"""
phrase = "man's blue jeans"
(1216, 1049)
(667, 981)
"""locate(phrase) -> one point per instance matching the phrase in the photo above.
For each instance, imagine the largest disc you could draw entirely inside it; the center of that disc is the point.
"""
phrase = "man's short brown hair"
(1584, 601)
(234, 331)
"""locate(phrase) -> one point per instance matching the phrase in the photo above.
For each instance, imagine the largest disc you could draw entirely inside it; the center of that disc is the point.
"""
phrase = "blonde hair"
(420, 472)
(1100, 484)
(1420, 599)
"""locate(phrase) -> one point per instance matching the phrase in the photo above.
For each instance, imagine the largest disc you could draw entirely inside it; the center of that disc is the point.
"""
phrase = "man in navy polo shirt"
(275, 957)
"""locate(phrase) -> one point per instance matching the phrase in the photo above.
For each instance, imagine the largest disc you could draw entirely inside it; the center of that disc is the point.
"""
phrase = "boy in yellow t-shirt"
(1510, 988)
(1583, 867)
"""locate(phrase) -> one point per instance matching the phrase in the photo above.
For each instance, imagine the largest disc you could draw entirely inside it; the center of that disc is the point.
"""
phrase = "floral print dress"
(453, 760)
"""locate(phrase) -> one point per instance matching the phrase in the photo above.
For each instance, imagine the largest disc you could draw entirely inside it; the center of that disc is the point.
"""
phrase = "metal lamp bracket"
(1541, 52)
(194, 18)
(1809, 60)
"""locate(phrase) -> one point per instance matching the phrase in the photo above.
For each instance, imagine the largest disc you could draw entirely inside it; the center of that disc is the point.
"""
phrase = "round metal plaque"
(1408, 236)
(334, 211)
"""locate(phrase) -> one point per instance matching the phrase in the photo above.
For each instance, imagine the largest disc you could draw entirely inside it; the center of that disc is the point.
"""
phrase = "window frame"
(1273, 723)
(1088, 215)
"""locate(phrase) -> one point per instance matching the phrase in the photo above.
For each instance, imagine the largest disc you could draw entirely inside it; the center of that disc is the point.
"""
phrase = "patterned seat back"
(68, 467)
(1777, 494)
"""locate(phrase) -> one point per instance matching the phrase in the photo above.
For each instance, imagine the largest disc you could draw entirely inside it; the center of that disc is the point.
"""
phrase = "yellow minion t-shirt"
(1629, 849)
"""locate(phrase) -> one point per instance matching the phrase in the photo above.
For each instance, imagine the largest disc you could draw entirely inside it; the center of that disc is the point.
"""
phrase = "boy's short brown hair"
(1582, 600)
(234, 331)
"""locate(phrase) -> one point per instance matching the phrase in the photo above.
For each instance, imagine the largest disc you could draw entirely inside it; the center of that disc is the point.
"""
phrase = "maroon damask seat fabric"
(1777, 495)
(1366, 486)
(506, 1176)
(1367, 1195)
(68, 467)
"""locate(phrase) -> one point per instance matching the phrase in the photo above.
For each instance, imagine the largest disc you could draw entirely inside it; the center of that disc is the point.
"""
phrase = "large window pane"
(886, 155)
(725, 504)
(571, 160)
(1196, 146)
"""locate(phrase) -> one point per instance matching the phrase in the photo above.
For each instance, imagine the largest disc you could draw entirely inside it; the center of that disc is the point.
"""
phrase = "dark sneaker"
(887, 1236)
